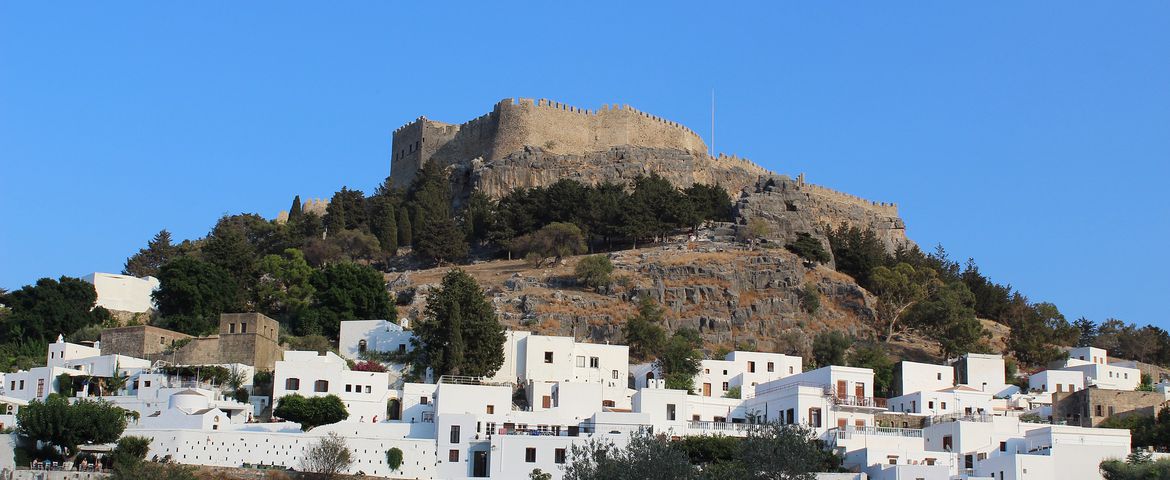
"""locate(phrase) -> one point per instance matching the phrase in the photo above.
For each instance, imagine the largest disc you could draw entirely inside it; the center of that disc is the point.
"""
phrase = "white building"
(358, 336)
(123, 292)
(922, 377)
(543, 359)
(1057, 381)
(1093, 364)
(984, 372)
(310, 374)
(744, 370)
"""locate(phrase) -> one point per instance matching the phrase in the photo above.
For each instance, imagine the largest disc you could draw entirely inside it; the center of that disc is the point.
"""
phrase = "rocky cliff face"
(535, 167)
(790, 206)
(731, 295)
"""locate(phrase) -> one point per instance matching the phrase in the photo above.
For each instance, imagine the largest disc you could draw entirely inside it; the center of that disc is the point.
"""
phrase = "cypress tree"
(295, 212)
(404, 230)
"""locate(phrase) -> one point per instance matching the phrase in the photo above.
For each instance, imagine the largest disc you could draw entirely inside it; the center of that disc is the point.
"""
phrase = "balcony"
(860, 402)
(722, 428)
(849, 432)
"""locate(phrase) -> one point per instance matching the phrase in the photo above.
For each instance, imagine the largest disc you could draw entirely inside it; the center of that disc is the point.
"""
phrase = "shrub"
(394, 458)
(594, 271)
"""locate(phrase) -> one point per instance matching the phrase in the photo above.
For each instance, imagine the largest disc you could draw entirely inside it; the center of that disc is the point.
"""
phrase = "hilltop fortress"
(524, 143)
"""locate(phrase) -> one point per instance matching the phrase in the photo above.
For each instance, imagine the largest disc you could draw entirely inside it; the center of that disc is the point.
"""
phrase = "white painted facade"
(1057, 381)
(924, 377)
(358, 336)
(365, 394)
(123, 292)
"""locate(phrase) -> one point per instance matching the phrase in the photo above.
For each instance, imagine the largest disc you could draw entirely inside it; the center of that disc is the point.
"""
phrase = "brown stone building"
(247, 338)
(1091, 406)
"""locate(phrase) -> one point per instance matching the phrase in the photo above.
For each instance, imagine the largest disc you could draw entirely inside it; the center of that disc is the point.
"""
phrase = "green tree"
(405, 238)
(229, 247)
(384, 221)
(538, 474)
(1135, 470)
(59, 423)
(809, 248)
(645, 457)
(168, 471)
(829, 348)
(642, 332)
(346, 211)
(49, 308)
(460, 333)
(285, 288)
(477, 217)
(948, 316)
(593, 271)
(1088, 332)
(857, 252)
(196, 292)
(295, 212)
(346, 291)
(711, 202)
(810, 298)
(681, 359)
(436, 236)
(312, 411)
(782, 452)
(874, 357)
(555, 240)
(130, 450)
(898, 289)
(147, 262)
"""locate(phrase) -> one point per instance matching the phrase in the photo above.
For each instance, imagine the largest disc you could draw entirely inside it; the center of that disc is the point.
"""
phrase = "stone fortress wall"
(883, 208)
(513, 124)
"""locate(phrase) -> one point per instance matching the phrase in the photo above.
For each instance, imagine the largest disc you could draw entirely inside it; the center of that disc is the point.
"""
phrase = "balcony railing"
(851, 431)
(428, 417)
(825, 389)
(960, 417)
(855, 401)
(720, 427)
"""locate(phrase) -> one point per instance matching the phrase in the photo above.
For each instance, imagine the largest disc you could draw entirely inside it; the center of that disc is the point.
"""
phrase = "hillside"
(732, 295)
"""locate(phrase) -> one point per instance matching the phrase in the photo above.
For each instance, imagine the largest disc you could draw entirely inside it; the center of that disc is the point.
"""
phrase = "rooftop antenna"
(712, 122)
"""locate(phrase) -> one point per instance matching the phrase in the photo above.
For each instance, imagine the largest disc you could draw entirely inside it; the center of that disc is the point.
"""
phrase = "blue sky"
(1032, 136)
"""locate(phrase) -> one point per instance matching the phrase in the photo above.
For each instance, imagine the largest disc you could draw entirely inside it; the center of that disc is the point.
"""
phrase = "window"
(361, 346)
(423, 400)
(944, 405)
(453, 456)
(608, 403)
(548, 357)
(146, 384)
(771, 367)
(930, 404)
(594, 362)
(243, 328)
(491, 409)
(706, 370)
(559, 455)
(751, 367)
(401, 348)
(725, 386)
(670, 411)
(790, 369)
(940, 375)
(162, 341)
(615, 374)
(367, 389)
(948, 443)
(860, 423)
(1111, 410)
(580, 361)
(530, 455)
(725, 372)
(814, 417)
(292, 384)
(348, 387)
(321, 386)
(546, 401)
(1003, 446)
(454, 433)
(1100, 411)
(789, 416)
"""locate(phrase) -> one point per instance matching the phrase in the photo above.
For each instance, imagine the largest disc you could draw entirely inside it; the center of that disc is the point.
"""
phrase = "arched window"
(292, 384)
(321, 386)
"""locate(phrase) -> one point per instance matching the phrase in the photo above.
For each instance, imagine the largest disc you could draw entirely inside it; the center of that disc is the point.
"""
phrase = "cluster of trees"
(1145, 430)
(934, 295)
(247, 263)
(678, 357)
(1139, 466)
(605, 213)
(1148, 343)
(771, 451)
(34, 315)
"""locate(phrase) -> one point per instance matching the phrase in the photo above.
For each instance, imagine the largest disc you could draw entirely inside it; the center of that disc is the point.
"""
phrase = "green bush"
(394, 458)
(594, 271)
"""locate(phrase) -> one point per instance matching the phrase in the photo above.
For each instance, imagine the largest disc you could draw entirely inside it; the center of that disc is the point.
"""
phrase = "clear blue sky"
(1033, 136)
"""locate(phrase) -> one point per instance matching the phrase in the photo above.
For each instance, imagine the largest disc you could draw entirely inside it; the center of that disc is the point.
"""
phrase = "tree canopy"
(311, 412)
(57, 422)
(460, 333)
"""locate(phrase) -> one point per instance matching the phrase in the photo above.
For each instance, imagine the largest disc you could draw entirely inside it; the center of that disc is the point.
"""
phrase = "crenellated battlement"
(839, 196)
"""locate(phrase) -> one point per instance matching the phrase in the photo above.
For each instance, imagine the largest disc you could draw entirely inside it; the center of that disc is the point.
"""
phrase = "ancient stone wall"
(514, 124)
(256, 345)
(139, 341)
(1091, 406)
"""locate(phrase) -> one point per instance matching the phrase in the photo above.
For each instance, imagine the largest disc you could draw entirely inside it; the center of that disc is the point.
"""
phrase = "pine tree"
(294, 212)
(460, 333)
(383, 222)
(436, 235)
(404, 231)
(147, 261)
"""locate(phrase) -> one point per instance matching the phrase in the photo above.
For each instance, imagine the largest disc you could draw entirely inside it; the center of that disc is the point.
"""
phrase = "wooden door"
(841, 392)
(546, 402)
(706, 389)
